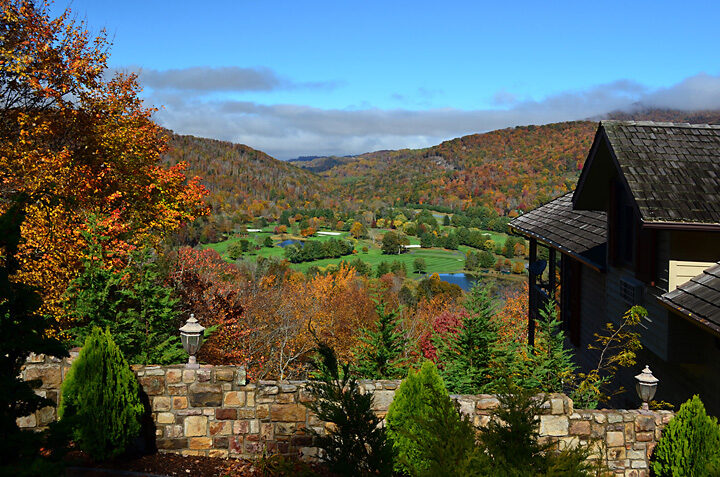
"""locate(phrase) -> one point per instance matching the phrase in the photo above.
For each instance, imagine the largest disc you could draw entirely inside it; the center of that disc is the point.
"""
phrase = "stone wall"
(214, 411)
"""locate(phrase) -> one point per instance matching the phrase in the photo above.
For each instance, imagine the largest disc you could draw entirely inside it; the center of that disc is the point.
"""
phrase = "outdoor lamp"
(646, 387)
(191, 335)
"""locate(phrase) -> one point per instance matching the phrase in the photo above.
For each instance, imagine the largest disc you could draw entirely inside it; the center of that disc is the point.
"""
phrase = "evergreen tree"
(100, 398)
(486, 259)
(465, 357)
(268, 242)
(133, 304)
(689, 444)
(356, 444)
(427, 240)
(398, 268)
(382, 269)
(551, 362)
(381, 354)
(441, 441)
(22, 331)
(511, 441)
(412, 404)
(451, 241)
(362, 267)
(419, 265)
(446, 220)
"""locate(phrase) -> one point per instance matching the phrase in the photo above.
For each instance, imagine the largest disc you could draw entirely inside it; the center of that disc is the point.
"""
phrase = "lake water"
(462, 280)
(285, 243)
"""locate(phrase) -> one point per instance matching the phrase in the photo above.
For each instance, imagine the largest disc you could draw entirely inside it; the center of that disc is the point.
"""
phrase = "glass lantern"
(191, 335)
(646, 387)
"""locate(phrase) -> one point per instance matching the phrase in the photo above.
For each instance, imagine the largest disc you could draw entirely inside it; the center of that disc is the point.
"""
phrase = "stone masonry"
(213, 411)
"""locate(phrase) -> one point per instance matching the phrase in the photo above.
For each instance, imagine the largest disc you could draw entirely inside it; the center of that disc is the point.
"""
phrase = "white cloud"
(289, 130)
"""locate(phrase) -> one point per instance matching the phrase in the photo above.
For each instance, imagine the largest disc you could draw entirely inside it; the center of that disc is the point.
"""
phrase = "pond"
(461, 279)
(285, 243)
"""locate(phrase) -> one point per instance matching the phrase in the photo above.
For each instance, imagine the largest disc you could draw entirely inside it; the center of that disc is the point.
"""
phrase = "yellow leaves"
(94, 153)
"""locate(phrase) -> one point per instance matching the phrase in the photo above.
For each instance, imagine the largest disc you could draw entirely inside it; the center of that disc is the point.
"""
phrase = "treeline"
(507, 170)
(317, 250)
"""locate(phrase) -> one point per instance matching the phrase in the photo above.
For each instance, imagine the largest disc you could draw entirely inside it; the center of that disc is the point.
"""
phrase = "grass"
(437, 260)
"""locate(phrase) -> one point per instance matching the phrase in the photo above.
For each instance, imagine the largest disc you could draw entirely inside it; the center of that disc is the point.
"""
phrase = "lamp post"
(191, 335)
(646, 387)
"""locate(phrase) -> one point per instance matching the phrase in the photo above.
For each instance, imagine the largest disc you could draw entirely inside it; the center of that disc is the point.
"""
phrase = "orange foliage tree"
(75, 145)
(512, 318)
(268, 318)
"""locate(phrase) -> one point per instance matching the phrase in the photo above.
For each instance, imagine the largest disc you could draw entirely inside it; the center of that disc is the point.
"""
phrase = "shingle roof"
(698, 298)
(577, 232)
(672, 169)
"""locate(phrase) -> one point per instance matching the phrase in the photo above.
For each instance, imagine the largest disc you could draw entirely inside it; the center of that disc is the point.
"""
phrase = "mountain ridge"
(511, 170)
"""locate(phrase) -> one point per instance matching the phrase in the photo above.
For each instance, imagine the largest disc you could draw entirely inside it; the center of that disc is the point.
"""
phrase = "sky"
(297, 78)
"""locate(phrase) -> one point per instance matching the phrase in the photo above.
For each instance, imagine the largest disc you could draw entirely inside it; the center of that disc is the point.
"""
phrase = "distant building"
(641, 228)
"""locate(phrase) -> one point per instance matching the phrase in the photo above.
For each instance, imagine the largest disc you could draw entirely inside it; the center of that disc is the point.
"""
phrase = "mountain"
(667, 115)
(242, 179)
(508, 169)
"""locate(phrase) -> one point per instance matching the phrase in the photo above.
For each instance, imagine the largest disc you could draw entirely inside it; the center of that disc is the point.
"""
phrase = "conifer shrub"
(507, 447)
(446, 443)
(100, 399)
(380, 355)
(411, 406)
(356, 444)
(690, 443)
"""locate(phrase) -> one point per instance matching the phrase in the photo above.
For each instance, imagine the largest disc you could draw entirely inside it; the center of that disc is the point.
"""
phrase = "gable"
(671, 171)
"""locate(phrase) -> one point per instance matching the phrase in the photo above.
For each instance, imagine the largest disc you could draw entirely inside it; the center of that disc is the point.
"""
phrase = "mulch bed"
(165, 465)
(177, 465)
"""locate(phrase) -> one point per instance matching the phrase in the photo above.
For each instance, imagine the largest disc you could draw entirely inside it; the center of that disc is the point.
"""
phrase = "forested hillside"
(508, 169)
(237, 175)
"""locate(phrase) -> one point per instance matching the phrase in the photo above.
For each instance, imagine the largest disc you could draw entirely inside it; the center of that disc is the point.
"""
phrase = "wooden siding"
(593, 316)
(662, 259)
(693, 368)
(654, 328)
(680, 271)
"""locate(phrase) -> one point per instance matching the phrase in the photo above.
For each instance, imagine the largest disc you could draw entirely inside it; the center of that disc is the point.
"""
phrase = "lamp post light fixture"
(646, 387)
(191, 335)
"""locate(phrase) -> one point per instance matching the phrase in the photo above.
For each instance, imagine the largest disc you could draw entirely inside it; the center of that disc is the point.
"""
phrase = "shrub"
(689, 443)
(100, 398)
(510, 440)
(442, 441)
(356, 444)
(411, 405)
(507, 447)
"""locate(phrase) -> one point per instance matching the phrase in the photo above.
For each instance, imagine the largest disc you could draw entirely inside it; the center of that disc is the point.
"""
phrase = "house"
(641, 228)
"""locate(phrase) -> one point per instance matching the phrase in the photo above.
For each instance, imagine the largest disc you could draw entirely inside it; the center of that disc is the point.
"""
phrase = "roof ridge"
(660, 124)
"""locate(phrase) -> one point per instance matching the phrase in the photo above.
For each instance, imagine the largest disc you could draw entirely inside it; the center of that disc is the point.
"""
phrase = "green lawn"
(437, 260)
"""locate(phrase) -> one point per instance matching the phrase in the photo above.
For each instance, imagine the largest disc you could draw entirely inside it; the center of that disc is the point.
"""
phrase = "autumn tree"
(75, 144)
(358, 230)
(392, 243)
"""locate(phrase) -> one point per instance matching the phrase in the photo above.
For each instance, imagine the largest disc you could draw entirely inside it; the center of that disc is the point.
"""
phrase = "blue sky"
(304, 77)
